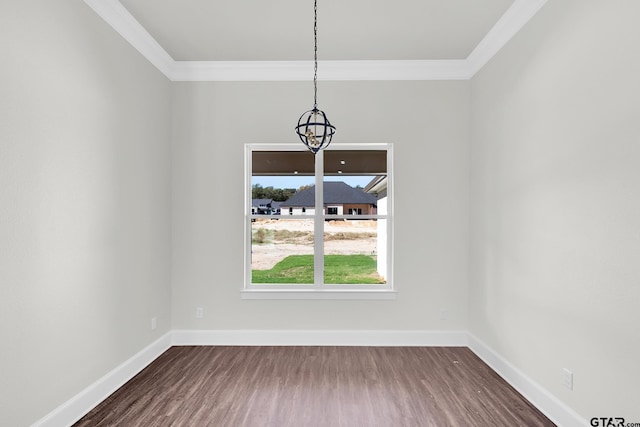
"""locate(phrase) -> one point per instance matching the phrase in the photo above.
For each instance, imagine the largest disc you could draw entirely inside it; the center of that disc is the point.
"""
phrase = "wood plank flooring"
(316, 386)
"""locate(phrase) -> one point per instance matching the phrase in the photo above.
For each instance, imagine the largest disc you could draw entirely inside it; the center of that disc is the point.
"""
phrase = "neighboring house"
(378, 188)
(275, 207)
(339, 199)
(264, 207)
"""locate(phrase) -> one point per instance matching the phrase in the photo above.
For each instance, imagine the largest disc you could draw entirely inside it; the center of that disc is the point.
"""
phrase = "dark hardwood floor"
(316, 386)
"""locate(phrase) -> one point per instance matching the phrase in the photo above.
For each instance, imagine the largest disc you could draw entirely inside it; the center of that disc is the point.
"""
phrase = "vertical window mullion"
(318, 222)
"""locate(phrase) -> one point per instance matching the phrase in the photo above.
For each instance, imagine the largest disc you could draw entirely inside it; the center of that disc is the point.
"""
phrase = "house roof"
(376, 185)
(261, 202)
(335, 193)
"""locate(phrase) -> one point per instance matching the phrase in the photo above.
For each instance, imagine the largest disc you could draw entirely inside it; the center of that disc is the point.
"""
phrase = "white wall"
(555, 255)
(427, 121)
(84, 204)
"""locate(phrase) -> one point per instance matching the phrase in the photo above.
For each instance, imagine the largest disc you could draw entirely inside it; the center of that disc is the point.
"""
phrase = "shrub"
(259, 236)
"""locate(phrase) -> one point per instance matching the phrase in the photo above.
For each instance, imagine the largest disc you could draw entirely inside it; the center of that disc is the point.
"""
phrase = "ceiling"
(282, 30)
(251, 40)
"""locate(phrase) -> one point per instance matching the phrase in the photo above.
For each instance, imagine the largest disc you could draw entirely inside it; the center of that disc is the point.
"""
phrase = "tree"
(277, 194)
(257, 192)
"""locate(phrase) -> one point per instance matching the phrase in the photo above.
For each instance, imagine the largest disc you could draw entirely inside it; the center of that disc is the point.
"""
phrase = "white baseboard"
(75, 408)
(322, 337)
(79, 405)
(547, 403)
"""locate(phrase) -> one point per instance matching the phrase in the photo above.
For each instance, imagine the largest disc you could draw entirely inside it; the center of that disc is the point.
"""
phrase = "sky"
(298, 181)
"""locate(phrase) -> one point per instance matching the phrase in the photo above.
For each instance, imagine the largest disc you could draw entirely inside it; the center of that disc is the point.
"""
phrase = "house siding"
(365, 209)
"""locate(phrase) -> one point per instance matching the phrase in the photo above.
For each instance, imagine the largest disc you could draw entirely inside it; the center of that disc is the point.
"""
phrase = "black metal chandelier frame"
(314, 128)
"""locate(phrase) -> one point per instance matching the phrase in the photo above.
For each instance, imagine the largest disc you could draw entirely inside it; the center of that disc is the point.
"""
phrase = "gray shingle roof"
(335, 193)
(260, 202)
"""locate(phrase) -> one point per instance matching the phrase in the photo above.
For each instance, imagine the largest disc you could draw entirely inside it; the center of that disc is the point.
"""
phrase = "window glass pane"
(355, 185)
(277, 177)
(350, 178)
(281, 247)
(352, 252)
(281, 251)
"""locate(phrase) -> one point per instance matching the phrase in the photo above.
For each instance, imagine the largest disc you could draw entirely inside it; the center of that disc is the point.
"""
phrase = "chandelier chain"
(315, 54)
(314, 129)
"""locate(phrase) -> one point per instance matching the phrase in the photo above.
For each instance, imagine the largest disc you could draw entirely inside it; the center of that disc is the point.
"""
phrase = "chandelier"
(314, 128)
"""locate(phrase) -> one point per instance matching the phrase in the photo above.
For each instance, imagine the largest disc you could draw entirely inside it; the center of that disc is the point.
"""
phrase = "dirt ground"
(265, 256)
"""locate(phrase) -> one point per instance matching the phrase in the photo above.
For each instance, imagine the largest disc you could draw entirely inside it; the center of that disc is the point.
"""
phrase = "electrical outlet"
(199, 313)
(443, 314)
(154, 323)
(567, 378)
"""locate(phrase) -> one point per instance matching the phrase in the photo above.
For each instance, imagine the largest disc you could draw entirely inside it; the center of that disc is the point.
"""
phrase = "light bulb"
(311, 138)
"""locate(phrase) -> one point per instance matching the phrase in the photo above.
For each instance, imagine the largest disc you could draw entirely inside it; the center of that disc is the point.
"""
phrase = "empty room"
(320, 213)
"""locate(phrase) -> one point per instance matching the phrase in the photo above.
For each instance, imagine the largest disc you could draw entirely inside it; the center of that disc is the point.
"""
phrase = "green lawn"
(338, 269)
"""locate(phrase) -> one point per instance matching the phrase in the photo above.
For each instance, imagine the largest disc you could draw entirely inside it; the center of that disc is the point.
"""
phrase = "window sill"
(314, 294)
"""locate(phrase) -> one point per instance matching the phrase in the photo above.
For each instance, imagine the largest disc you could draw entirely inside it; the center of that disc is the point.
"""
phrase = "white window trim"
(318, 290)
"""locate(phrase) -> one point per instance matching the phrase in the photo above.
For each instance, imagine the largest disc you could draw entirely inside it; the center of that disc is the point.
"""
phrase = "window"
(319, 247)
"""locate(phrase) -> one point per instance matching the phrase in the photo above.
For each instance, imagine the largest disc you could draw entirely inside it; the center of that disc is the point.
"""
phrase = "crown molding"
(116, 15)
(327, 70)
(516, 17)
